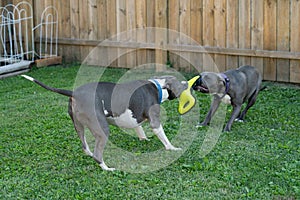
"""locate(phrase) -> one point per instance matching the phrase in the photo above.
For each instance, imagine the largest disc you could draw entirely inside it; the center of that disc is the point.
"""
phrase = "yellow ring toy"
(186, 99)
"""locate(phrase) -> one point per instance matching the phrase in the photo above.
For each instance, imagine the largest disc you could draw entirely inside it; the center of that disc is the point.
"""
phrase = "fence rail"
(263, 33)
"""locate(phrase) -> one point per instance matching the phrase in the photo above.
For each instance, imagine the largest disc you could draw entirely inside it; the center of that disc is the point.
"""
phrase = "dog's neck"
(226, 84)
(163, 94)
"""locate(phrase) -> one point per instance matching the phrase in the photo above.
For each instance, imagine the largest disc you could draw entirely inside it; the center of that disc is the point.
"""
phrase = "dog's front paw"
(172, 148)
(200, 125)
(226, 129)
(104, 167)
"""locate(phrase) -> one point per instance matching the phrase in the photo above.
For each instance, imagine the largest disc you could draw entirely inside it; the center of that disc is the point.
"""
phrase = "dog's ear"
(221, 80)
(174, 86)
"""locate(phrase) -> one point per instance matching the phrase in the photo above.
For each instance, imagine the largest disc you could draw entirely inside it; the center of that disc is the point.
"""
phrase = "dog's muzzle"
(200, 86)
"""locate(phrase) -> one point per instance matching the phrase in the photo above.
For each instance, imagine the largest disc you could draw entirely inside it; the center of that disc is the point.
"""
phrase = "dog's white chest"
(125, 120)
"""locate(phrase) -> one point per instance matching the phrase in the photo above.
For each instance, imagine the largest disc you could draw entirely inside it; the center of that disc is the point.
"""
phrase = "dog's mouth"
(201, 88)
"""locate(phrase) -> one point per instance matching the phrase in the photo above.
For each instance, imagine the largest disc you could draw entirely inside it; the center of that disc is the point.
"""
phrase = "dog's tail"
(68, 93)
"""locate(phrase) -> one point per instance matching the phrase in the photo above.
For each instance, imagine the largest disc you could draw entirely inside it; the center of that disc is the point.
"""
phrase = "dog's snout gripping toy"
(186, 99)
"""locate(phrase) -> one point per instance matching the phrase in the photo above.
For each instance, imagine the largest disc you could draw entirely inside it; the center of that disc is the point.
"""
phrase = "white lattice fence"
(16, 39)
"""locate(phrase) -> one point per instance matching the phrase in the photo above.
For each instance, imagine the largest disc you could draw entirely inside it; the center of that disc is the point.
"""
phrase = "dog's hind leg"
(98, 152)
(250, 103)
(79, 129)
(101, 133)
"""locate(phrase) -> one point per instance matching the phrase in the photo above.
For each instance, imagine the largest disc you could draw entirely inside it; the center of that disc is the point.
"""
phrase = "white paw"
(104, 167)
(88, 152)
(172, 148)
(239, 120)
(199, 125)
(142, 139)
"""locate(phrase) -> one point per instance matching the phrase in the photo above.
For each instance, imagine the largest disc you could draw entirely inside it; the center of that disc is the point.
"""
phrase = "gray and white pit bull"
(127, 105)
(235, 87)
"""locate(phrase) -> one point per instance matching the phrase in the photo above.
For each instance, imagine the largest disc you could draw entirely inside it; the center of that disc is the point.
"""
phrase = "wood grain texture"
(257, 33)
(295, 41)
(232, 29)
(270, 21)
(223, 33)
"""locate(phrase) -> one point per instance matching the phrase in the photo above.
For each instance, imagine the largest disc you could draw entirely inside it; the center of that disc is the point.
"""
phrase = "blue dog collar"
(160, 93)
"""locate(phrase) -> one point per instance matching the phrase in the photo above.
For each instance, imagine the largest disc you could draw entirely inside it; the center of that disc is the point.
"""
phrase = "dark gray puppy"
(128, 105)
(235, 87)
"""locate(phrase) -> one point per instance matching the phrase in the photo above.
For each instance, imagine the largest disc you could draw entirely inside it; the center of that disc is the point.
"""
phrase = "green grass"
(41, 156)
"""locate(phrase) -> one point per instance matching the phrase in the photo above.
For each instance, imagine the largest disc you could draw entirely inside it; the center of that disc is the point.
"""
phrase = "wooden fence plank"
(93, 20)
(111, 17)
(184, 29)
(75, 32)
(232, 32)
(197, 33)
(110, 14)
(161, 33)
(84, 28)
(220, 32)
(283, 39)
(103, 21)
(121, 30)
(141, 20)
(92, 32)
(208, 34)
(244, 29)
(65, 28)
(150, 22)
(257, 33)
(174, 35)
(270, 38)
(131, 26)
(295, 41)
(39, 7)
(3, 3)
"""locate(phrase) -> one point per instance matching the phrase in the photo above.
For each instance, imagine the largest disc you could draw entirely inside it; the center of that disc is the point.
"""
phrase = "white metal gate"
(17, 40)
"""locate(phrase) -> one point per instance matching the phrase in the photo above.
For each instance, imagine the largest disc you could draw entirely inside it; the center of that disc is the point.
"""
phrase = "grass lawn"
(41, 155)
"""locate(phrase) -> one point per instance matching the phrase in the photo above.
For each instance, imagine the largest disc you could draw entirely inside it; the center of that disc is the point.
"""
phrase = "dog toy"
(186, 99)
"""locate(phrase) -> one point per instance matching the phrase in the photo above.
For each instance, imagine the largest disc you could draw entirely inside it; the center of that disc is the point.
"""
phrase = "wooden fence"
(213, 35)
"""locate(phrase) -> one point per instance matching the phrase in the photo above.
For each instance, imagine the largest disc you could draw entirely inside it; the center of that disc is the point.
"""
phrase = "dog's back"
(252, 74)
(253, 79)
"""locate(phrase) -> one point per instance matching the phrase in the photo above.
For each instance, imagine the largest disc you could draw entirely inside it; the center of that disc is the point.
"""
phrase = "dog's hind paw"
(144, 139)
(200, 125)
(104, 167)
(88, 152)
(239, 120)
